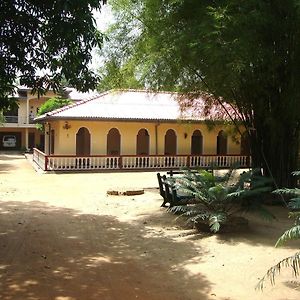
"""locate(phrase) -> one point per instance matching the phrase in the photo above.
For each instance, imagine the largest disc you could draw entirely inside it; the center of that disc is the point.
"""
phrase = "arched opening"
(170, 142)
(245, 144)
(113, 142)
(83, 142)
(142, 142)
(197, 143)
(222, 143)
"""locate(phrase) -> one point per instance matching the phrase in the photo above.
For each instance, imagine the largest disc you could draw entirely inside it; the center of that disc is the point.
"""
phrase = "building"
(18, 130)
(131, 129)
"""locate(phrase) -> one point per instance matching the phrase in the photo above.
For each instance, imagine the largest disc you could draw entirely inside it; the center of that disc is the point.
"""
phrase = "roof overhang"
(185, 121)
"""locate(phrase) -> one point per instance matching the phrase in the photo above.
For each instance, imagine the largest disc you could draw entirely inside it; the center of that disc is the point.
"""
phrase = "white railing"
(40, 158)
(11, 119)
(136, 162)
(82, 163)
(153, 162)
(20, 120)
(221, 161)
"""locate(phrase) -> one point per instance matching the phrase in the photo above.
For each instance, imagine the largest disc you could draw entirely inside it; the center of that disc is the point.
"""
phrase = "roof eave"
(55, 118)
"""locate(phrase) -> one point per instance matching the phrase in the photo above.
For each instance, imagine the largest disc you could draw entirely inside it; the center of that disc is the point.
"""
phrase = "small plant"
(291, 234)
(218, 198)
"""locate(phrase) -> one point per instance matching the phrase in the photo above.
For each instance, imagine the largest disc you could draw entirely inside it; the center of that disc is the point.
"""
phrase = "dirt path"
(62, 238)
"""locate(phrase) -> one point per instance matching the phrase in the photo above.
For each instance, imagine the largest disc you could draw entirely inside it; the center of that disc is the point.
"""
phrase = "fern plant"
(219, 198)
(291, 234)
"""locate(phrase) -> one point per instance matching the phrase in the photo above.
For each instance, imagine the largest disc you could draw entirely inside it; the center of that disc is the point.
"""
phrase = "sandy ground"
(63, 238)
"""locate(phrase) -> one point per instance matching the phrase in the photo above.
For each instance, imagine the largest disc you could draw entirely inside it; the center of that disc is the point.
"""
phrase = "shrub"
(50, 105)
(219, 198)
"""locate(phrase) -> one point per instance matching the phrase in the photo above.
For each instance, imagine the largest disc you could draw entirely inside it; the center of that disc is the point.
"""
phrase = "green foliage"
(116, 77)
(217, 199)
(50, 105)
(244, 52)
(2, 119)
(43, 42)
(291, 234)
(291, 261)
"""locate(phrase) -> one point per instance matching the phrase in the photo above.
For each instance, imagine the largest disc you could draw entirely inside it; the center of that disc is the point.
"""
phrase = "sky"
(103, 20)
(104, 17)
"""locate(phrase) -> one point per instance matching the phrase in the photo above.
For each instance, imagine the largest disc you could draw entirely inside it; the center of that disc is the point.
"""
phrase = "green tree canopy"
(244, 52)
(42, 42)
(52, 104)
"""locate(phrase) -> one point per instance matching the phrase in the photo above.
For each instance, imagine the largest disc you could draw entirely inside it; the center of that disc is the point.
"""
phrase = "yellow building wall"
(33, 105)
(65, 139)
(22, 112)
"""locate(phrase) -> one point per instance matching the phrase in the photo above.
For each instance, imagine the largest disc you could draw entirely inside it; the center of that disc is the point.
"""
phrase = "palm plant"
(290, 234)
(219, 198)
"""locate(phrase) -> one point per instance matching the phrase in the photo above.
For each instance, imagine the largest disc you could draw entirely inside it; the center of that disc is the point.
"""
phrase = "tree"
(42, 42)
(50, 105)
(246, 53)
(115, 76)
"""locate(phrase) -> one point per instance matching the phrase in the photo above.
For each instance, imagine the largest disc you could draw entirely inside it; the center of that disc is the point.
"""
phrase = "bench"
(181, 172)
(170, 194)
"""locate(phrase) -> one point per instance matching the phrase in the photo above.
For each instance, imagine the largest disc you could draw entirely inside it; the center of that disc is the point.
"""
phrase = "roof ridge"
(142, 91)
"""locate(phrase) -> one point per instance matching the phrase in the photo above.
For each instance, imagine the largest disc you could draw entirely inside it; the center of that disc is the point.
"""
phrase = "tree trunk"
(276, 153)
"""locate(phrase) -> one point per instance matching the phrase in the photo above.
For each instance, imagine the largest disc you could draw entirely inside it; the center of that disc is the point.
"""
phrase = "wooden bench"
(170, 194)
(162, 189)
(181, 172)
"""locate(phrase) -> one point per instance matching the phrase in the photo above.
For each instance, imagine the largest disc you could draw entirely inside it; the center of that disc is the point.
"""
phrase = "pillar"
(47, 138)
(26, 138)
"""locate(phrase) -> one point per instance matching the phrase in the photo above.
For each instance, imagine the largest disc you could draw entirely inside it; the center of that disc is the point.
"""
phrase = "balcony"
(11, 119)
(18, 121)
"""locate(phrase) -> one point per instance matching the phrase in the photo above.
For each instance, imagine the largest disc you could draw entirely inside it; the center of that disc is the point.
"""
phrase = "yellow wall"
(22, 113)
(33, 105)
(65, 139)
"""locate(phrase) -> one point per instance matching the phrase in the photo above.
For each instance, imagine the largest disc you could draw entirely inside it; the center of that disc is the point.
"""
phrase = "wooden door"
(83, 142)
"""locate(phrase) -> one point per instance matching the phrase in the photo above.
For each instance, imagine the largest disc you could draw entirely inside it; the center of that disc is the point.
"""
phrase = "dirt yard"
(63, 238)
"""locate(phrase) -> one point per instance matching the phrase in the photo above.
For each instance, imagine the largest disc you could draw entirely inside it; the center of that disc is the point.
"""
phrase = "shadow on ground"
(6, 168)
(55, 253)
(7, 162)
(259, 232)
